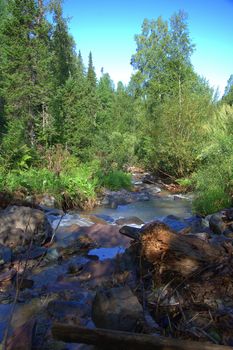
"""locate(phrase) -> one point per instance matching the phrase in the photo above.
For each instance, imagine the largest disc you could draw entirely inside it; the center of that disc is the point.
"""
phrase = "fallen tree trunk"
(111, 339)
(184, 254)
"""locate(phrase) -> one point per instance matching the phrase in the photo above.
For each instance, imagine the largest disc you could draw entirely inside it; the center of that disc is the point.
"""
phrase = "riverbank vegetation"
(65, 132)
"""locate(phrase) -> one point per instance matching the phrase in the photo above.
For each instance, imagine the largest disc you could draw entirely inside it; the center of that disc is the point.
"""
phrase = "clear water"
(106, 253)
(156, 208)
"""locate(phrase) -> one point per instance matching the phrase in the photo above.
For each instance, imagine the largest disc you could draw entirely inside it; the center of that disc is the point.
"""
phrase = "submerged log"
(109, 339)
(184, 254)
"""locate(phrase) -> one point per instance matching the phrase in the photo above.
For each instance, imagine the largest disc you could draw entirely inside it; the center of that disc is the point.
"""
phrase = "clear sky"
(107, 28)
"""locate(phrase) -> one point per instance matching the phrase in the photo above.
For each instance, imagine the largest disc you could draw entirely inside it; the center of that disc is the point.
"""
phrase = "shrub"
(33, 181)
(214, 180)
(117, 180)
(212, 191)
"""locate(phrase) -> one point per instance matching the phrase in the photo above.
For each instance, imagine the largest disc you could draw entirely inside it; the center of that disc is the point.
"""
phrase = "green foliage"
(185, 182)
(214, 180)
(33, 181)
(228, 93)
(178, 102)
(15, 152)
(65, 133)
(212, 191)
(117, 180)
(80, 184)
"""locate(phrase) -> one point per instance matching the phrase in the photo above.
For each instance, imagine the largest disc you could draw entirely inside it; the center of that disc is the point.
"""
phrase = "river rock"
(48, 201)
(217, 225)
(129, 220)
(106, 235)
(93, 218)
(20, 225)
(21, 339)
(202, 235)
(68, 310)
(175, 223)
(194, 223)
(106, 218)
(229, 214)
(51, 211)
(148, 179)
(123, 197)
(5, 254)
(117, 308)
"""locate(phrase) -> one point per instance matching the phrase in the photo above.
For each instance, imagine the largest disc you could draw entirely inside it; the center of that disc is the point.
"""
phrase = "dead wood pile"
(190, 293)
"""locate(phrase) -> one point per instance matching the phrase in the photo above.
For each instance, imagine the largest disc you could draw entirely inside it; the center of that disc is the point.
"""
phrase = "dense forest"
(66, 133)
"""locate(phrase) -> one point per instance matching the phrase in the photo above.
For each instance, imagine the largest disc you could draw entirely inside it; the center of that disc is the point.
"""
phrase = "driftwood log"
(184, 254)
(111, 339)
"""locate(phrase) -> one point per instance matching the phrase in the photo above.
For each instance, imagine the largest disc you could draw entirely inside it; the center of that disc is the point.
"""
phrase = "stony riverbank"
(57, 266)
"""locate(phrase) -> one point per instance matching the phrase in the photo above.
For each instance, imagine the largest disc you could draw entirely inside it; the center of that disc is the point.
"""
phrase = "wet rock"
(197, 224)
(175, 223)
(194, 223)
(51, 211)
(106, 218)
(153, 190)
(69, 220)
(13, 237)
(217, 225)
(129, 220)
(47, 201)
(5, 312)
(25, 283)
(202, 235)
(74, 268)
(52, 254)
(34, 253)
(118, 309)
(65, 231)
(148, 179)
(94, 219)
(229, 214)
(123, 197)
(98, 273)
(106, 235)
(20, 225)
(68, 310)
(5, 254)
(25, 312)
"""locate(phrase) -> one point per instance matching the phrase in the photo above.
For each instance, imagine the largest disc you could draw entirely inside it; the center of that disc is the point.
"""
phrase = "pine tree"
(25, 66)
(63, 47)
(91, 76)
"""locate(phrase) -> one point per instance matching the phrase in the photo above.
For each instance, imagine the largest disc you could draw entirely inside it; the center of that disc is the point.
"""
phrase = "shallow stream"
(54, 278)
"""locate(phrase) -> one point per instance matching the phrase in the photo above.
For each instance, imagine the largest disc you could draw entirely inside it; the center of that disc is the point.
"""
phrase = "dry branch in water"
(111, 339)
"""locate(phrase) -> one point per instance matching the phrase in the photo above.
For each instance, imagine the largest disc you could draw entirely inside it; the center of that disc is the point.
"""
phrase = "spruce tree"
(25, 66)
(63, 47)
(91, 76)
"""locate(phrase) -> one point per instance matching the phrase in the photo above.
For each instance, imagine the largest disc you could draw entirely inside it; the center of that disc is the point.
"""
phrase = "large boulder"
(20, 225)
(117, 308)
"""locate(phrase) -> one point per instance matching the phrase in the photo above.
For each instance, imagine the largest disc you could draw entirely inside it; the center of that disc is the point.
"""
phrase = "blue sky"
(107, 28)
